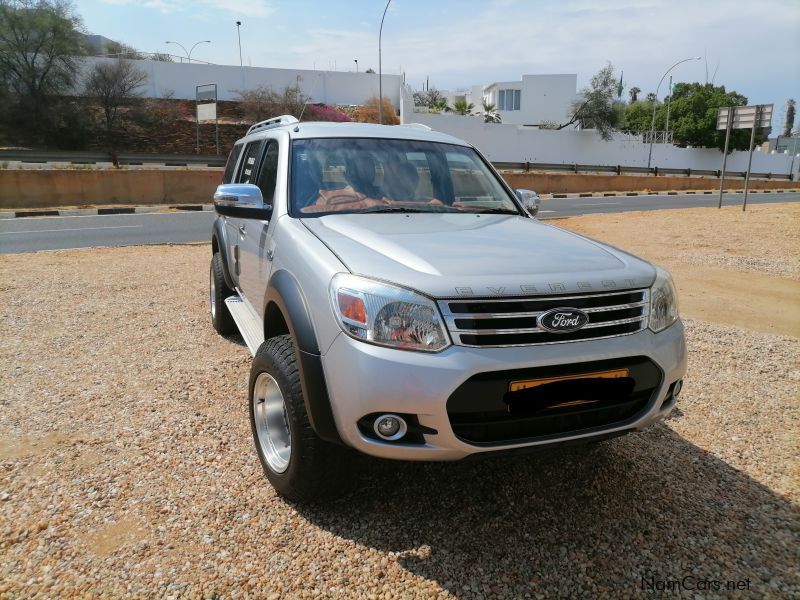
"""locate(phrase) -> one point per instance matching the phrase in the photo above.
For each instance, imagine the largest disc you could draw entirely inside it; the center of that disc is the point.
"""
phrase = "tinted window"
(269, 172)
(247, 171)
(227, 176)
(331, 175)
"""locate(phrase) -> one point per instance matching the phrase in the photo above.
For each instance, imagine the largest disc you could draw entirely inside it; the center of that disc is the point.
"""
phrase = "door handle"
(242, 230)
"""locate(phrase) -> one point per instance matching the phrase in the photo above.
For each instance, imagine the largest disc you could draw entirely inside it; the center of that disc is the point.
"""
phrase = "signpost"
(742, 117)
(208, 111)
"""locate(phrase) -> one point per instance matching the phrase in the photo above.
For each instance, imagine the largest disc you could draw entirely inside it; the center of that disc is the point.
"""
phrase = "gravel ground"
(128, 468)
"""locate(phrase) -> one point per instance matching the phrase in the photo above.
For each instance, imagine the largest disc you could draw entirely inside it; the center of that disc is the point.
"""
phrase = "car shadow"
(609, 518)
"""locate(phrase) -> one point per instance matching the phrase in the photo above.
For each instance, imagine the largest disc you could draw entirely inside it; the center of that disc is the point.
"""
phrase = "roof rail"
(417, 126)
(274, 122)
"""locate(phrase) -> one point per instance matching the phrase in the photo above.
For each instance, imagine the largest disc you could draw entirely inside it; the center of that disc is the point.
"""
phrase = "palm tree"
(440, 105)
(634, 93)
(462, 107)
(490, 113)
(651, 97)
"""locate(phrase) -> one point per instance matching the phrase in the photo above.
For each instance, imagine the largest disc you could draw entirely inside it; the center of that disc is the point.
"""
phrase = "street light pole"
(380, 69)
(655, 104)
(239, 35)
(193, 47)
(186, 52)
(189, 52)
(355, 60)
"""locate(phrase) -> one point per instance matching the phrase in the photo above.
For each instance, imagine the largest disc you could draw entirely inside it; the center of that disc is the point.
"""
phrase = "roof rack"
(274, 122)
(417, 126)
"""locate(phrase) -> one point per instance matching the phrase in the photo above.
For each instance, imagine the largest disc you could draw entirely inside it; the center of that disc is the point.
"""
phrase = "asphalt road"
(52, 233)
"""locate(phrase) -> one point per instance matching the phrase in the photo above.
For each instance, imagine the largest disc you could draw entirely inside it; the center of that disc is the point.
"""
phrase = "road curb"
(111, 210)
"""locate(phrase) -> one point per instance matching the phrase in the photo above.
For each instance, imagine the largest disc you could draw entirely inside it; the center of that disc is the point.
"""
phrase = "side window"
(247, 170)
(227, 176)
(269, 172)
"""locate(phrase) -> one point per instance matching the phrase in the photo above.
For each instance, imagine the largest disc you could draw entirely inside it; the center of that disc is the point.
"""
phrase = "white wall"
(512, 143)
(330, 87)
(546, 98)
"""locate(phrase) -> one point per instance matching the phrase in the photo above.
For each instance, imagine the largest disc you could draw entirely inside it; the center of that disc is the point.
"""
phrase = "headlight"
(387, 315)
(663, 302)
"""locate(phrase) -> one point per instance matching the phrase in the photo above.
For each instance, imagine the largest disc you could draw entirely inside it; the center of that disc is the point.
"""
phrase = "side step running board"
(249, 325)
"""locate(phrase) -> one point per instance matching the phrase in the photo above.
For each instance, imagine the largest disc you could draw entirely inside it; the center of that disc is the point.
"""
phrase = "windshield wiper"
(402, 209)
(495, 211)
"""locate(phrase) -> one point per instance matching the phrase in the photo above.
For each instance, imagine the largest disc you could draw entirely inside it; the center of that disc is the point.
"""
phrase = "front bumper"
(364, 379)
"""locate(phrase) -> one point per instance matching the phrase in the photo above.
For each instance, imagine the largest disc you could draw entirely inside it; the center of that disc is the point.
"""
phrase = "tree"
(369, 112)
(693, 117)
(263, 102)
(440, 106)
(370, 71)
(427, 97)
(634, 93)
(596, 110)
(789, 124)
(113, 85)
(462, 107)
(638, 116)
(651, 97)
(490, 114)
(122, 50)
(40, 45)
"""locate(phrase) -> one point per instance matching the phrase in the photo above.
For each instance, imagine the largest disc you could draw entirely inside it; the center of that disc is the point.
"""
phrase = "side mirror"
(529, 200)
(242, 200)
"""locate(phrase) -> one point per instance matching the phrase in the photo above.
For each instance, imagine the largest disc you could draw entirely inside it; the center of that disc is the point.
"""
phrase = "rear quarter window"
(230, 166)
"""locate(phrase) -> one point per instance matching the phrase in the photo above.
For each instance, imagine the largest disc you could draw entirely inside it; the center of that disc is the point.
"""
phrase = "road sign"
(206, 92)
(744, 116)
(207, 112)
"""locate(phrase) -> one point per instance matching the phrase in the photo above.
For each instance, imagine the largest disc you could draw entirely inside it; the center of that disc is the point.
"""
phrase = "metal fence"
(185, 160)
(93, 158)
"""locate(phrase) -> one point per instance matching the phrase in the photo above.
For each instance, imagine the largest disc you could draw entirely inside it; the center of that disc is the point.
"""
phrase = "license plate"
(525, 384)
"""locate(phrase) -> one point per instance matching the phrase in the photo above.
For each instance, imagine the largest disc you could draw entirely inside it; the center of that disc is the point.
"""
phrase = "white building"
(532, 101)
(330, 87)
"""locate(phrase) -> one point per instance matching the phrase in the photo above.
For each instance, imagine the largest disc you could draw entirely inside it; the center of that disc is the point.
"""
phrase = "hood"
(447, 255)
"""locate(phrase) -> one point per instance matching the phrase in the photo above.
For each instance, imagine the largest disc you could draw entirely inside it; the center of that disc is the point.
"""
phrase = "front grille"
(484, 412)
(514, 321)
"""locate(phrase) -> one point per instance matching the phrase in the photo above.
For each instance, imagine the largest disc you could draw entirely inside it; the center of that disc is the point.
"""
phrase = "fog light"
(677, 389)
(390, 427)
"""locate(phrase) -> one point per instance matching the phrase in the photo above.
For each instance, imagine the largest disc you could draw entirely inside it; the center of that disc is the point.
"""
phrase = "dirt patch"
(161, 493)
(730, 267)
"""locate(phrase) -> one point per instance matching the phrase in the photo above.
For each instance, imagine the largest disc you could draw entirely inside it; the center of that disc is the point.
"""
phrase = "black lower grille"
(483, 410)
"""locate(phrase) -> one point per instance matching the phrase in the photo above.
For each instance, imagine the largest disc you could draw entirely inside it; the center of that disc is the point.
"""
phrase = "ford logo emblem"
(563, 320)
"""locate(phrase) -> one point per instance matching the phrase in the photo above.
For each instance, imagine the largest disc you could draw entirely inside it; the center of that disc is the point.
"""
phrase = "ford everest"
(400, 300)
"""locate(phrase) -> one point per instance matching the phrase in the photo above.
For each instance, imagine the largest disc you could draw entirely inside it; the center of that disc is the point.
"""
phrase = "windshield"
(361, 175)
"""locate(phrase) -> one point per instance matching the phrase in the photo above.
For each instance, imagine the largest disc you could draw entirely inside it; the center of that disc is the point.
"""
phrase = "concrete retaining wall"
(51, 188)
(20, 189)
(558, 183)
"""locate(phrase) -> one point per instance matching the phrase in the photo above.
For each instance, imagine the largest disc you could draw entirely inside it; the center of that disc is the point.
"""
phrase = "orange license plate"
(525, 384)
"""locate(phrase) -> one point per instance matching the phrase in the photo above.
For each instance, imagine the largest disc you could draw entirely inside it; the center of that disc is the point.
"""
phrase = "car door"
(256, 247)
(236, 227)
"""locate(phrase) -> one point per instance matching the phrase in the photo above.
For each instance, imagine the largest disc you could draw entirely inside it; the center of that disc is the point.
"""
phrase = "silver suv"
(400, 300)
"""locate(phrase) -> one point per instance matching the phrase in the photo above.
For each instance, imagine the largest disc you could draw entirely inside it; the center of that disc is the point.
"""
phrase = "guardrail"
(622, 169)
(185, 160)
(123, 158)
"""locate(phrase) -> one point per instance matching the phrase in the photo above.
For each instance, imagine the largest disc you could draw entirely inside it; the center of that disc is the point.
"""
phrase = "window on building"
(508, 99)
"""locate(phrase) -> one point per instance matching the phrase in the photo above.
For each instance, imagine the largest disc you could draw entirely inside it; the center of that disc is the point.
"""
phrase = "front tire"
(298, 464)
(221, 317)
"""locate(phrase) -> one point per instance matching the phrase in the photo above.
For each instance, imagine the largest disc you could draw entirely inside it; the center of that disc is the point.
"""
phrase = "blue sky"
(754, 45)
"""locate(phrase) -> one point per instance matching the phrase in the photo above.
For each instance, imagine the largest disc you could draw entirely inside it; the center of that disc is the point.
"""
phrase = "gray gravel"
(128, 468)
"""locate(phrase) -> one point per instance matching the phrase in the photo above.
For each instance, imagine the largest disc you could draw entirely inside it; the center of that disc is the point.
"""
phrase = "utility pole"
(239, 35)
(666, 128)
(380, 68)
